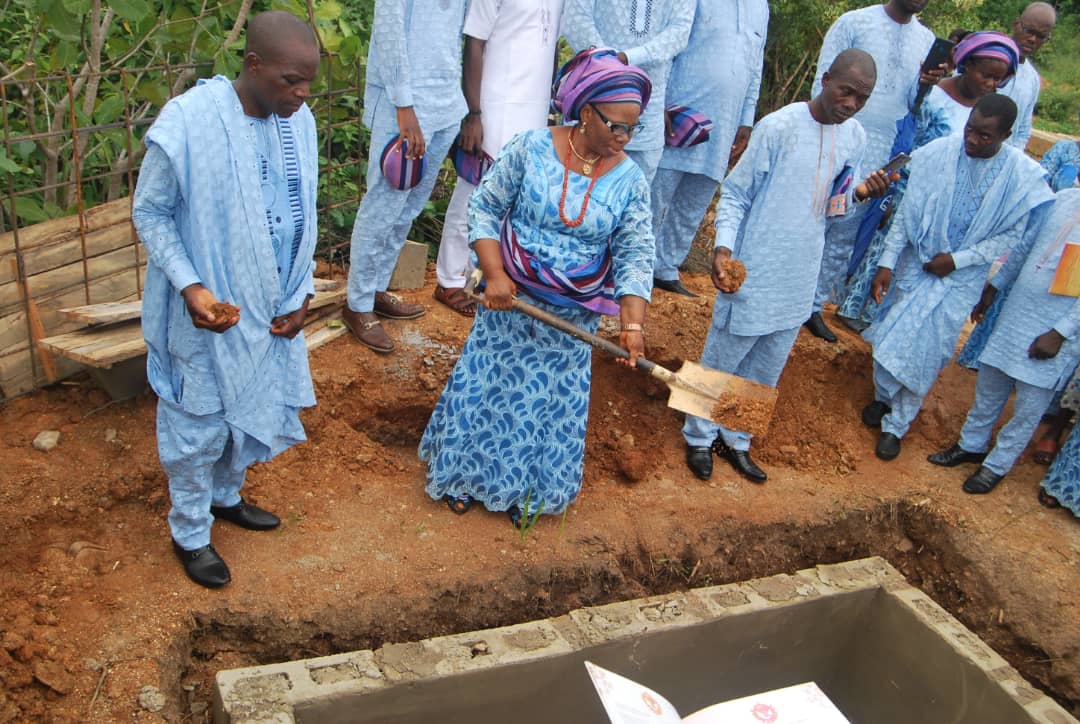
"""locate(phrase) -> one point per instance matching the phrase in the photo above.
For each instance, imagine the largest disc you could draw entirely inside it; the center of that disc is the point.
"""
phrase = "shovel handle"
(573, 330)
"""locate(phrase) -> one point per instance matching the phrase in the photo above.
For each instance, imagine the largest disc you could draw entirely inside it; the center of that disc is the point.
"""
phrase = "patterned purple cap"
(401, 173)
(688, 127)
(469, 167)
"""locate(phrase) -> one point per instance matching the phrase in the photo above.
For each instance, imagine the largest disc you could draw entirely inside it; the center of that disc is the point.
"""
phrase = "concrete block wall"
(270, 694)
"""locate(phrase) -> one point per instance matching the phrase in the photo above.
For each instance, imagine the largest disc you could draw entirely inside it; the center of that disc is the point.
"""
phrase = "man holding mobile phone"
(896, 40)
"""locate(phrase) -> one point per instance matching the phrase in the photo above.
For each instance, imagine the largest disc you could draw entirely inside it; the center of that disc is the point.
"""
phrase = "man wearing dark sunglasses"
(1030, 31)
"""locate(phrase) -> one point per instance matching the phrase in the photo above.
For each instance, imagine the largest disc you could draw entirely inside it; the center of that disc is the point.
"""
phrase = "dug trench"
(94, 608)
(915, 538)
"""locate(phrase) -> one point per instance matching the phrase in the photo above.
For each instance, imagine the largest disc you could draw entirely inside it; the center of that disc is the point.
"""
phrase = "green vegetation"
(797, 27)
(125, 58)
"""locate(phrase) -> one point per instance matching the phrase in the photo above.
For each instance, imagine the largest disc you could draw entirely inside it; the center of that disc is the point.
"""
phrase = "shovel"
(735, 402)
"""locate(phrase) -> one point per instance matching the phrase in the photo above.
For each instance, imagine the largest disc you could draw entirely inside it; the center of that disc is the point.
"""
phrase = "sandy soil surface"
(94, 608)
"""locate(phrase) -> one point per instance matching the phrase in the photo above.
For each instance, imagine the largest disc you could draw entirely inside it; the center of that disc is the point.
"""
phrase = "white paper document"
(628, 702)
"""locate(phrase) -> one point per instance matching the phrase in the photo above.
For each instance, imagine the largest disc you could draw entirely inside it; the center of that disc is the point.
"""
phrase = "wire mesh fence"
(69, 160)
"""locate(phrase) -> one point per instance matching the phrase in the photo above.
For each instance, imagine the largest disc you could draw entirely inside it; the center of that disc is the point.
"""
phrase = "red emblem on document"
(765, 713)
(652, 704)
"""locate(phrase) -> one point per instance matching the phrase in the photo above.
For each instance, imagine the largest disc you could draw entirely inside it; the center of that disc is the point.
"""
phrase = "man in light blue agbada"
(968, 201)
(800, 164)
(412, 93)
(892, 34)
(645, 33)
(1031, 31)
(225, 205)
(719, 75)
(1033, 348)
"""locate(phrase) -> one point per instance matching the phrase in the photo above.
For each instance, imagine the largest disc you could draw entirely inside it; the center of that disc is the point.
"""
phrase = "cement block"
(410, 268)
(631, 618)
(1047, 711)
(857, 575)
(784, 588)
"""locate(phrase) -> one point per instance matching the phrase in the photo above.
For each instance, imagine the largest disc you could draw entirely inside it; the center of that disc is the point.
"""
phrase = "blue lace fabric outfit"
(509, 428)
(1063, 478)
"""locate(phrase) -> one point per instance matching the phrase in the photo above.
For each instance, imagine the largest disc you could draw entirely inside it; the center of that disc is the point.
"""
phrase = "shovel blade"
(735, 402)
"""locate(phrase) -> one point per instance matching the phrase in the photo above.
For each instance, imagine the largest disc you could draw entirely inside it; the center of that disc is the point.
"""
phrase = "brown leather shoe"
(392, 306)
(368, 330)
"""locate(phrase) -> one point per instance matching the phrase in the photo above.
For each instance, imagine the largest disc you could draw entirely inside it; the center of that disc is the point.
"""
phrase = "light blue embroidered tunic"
(650, 32)
(510, 424)
(415, 60)
(772, 216)
(973, 209)
(218, 233)
(898, 50)
(939, 116)
(1023, 88)
(1030, 309)
(719, 74)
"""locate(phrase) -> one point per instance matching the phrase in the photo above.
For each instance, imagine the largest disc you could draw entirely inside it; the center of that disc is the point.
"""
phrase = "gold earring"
(581, 128)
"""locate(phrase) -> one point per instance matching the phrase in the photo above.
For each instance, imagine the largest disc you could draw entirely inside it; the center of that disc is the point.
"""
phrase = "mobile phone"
(896, 163)
(939, 53)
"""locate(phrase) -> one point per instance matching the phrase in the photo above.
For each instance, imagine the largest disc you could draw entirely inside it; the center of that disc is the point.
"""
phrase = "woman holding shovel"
(563, 218)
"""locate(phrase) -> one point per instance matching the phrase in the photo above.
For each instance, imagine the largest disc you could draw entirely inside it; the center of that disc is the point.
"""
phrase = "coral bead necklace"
(566, 182)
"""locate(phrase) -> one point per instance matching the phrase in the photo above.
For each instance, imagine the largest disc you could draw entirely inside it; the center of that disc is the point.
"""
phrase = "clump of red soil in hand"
(734, 275)
(224, 310)
(739, 413)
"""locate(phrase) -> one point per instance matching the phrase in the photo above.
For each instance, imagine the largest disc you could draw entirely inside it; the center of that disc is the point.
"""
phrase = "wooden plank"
(105, 313)
(120, 287)
(326, 285)
(321, 333)
(100, 347)
(70, 277)
(104, 346)
(51, 256)
(112, 312)
(67, 227)
(1041, 141)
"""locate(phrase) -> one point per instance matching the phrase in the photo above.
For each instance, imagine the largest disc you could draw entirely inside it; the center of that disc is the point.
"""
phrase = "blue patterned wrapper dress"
(509, 428)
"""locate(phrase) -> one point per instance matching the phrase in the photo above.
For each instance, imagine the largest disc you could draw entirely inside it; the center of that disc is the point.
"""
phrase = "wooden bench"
(114, 351)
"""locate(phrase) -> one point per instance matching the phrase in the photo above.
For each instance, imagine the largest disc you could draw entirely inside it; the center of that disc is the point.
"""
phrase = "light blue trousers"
(992, 390)
(386, 214)
(905, 402)
(679, 202)
(839, 243)
(760, 359)
(196, 452)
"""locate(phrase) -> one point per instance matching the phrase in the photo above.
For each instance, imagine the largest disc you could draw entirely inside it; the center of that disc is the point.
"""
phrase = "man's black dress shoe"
(740, 460)
(982, 481)
(818, 328)
(872, 413)
(672, 285)
(954, 456)
(246, 515)
(699, 460)
(888, 446)
(203, 565)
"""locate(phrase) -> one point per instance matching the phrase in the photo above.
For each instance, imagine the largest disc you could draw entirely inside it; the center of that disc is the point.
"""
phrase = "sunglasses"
(1035, 33)
(619, 130)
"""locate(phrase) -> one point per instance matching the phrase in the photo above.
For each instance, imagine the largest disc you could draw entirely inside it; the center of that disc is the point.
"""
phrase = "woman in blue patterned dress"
(985, 61)
(562, 217)
(1061, 486)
